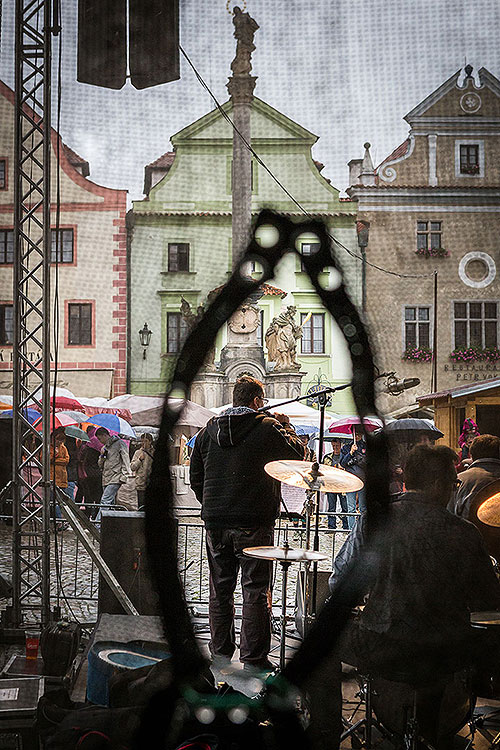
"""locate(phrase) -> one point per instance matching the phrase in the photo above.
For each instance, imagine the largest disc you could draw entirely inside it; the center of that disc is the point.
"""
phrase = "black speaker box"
(123, 548)
(322, 594)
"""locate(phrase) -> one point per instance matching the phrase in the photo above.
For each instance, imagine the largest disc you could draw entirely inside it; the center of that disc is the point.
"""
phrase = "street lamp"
(145, 337)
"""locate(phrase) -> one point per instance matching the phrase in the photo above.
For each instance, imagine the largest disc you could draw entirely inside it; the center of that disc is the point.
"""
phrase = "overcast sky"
(348, 70)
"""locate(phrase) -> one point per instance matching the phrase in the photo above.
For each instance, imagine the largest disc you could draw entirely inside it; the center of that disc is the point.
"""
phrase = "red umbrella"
(61, 403)
(344, 426)
(58, 420)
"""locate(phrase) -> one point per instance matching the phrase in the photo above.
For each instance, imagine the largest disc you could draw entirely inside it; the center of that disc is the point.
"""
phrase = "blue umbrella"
(305, 429)
(191, 441)
(114, 423)
(30, 414)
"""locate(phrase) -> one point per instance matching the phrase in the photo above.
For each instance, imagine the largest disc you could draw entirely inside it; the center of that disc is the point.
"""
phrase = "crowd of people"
(102, 471)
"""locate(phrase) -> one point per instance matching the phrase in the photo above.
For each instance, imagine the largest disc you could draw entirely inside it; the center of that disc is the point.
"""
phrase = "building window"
(429, 235)
(178, 256)
(417, 327)
(6, 246)
(3, 174)
(177, 330)
(6, 324)
(308, 248)
(476, 324)
(80, 324)
(313, 334)
(62, 246)
(469, 158)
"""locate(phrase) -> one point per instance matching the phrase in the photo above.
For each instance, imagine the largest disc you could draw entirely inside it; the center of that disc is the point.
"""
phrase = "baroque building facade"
(431, 211)
(180, 245)
(92, 269)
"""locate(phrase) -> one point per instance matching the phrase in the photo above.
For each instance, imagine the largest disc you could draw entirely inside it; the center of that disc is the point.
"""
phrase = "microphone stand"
(321, 396)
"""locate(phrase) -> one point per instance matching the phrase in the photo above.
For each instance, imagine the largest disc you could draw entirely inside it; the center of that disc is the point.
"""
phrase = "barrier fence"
(75, 577)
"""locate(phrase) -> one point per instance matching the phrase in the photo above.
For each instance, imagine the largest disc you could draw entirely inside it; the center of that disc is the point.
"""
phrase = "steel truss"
(31, 350)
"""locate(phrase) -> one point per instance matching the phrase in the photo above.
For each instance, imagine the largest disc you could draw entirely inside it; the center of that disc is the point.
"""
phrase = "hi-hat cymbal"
(285, 553)
(301, 474)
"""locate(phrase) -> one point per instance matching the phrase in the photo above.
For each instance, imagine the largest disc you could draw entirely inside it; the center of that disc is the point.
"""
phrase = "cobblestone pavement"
(77, 574)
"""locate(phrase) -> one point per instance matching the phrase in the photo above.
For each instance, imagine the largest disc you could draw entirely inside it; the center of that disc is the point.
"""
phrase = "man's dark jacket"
(227, 468)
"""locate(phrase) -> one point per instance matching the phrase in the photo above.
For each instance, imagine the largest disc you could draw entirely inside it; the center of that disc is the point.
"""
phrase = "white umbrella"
(298, 412)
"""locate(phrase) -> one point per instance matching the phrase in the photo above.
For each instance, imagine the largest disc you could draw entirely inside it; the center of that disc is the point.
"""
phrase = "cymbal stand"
(285, 564)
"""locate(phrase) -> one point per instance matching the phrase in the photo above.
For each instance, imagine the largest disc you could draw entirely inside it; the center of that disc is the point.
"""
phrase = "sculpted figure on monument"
(281, 340)
(244, 30)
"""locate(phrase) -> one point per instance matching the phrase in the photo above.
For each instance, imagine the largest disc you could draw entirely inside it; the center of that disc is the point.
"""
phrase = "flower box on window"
(469, 169)
(432, 252)
(475, 354)
(418, 354)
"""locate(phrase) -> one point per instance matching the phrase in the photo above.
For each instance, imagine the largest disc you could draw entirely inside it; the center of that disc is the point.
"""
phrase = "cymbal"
(485, 618)
(489, 511)
(300, 474)
(285, 553)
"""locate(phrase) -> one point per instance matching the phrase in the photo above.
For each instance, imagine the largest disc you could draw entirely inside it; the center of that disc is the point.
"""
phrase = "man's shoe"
(259, 666)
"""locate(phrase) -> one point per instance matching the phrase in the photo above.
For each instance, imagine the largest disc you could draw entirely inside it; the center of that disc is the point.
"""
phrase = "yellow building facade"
(432, 212)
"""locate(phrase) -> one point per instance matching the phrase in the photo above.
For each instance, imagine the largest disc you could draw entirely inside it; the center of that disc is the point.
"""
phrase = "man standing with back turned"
(240, 504)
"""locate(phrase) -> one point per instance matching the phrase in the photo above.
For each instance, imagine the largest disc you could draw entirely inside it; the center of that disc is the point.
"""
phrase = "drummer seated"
(424, 571)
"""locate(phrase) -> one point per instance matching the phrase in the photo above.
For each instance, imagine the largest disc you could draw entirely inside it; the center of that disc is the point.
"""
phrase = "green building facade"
(180, 244)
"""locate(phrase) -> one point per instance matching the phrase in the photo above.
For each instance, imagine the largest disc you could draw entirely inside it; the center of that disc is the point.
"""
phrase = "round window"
(477, 269)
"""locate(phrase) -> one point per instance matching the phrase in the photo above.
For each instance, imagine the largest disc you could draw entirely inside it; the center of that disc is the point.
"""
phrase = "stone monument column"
(241, 86)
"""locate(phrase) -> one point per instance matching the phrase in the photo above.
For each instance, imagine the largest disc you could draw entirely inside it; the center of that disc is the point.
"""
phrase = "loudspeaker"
(123, 548)
(322, 594)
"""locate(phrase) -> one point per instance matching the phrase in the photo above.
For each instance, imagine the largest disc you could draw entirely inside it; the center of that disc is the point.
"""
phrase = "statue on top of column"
(244, 30)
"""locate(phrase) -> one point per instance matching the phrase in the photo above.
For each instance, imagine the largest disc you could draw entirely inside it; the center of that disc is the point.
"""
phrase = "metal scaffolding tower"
(31, 350)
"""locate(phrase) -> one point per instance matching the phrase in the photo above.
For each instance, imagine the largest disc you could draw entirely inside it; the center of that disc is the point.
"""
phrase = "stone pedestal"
(283, 385)
(208, 389)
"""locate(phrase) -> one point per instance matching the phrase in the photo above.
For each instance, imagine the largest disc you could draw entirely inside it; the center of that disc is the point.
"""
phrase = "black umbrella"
(413, 425)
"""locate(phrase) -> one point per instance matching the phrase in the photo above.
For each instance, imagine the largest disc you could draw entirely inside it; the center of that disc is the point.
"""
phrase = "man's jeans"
(108, 497)
(225, 557)
(351, 504)
(332, 498)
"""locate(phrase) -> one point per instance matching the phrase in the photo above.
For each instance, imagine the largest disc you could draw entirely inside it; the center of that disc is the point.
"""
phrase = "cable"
(60, 587)
(285, 190)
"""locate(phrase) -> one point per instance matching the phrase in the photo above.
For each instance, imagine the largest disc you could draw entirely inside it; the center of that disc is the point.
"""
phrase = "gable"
(464, 100)
(266, 124)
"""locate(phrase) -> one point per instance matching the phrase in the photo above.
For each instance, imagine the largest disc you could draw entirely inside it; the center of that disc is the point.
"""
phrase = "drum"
(393, 704)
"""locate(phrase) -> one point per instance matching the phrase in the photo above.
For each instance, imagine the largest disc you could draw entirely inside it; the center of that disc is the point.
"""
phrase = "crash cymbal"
(489, 511)
(285, 553)
(323, 478)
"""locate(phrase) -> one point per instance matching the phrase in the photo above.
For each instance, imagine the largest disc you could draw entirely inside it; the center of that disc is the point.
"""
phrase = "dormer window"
(469, 159)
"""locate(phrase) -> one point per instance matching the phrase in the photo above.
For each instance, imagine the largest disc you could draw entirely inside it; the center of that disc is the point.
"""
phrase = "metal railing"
(75, 577)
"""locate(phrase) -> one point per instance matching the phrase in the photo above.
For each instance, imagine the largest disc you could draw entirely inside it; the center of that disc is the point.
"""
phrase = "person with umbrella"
(114, 462)
(353, 459)
(333, 459)
(90, 473)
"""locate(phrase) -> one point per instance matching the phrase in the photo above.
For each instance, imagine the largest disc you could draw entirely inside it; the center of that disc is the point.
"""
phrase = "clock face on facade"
(244, 320)
(470, 102)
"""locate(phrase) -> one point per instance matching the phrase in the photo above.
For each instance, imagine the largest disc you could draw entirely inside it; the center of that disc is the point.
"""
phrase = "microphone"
(396, 386)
